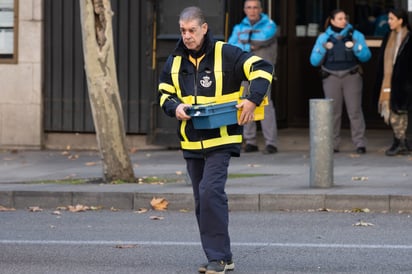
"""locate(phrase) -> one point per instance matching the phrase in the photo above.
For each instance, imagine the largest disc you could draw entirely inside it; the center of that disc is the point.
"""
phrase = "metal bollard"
(321, 143)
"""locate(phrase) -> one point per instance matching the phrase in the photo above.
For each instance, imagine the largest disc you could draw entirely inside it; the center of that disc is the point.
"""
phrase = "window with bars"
(8, 31)
(367, 16)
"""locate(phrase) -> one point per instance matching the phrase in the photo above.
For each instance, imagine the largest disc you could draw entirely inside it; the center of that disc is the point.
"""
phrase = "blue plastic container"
(213, 115)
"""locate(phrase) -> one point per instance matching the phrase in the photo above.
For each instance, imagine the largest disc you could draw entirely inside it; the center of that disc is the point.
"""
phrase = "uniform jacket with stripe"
(212, 75)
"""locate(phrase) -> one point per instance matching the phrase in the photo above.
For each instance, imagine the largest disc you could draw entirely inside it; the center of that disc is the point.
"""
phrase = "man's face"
(193, 34)
(252, 10)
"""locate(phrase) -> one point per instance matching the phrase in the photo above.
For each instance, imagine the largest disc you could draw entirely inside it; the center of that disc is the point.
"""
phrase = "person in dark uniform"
(338, 51)
(201, 71)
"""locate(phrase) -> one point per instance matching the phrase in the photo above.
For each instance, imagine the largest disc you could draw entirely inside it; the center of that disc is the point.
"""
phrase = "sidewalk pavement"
(282, 181)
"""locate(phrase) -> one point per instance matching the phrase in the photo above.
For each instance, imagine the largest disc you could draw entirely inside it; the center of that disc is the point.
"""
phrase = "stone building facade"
(21, 83)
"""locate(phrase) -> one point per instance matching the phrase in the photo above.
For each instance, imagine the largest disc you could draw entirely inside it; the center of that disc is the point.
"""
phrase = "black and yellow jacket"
(212, 75)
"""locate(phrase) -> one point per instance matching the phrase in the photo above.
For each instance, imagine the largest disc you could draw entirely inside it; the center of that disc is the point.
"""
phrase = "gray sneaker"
(230, 265)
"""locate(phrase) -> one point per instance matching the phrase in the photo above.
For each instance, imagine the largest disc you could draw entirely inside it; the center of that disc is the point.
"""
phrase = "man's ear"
(205, 27)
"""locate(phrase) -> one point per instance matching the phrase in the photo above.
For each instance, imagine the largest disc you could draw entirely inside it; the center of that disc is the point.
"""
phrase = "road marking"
(171, 243)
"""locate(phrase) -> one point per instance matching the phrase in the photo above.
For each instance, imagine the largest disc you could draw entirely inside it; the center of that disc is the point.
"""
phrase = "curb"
(184, 201)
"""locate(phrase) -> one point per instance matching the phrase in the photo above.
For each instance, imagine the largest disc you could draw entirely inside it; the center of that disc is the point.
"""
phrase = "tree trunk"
(98, 49)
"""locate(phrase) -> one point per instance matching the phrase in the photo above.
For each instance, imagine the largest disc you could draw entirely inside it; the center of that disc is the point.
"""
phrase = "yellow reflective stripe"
(167, 87)
(182, 131)
(211, 142)
(228, 97)
(218, 69)
(175, 74)
(247, 66)
(188, 100)
(260, 74)
(223, 131)
(163, 98)
(209, 100)
(200, 100)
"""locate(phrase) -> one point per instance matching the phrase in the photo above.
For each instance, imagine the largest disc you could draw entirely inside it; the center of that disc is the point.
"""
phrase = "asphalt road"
(271, 242)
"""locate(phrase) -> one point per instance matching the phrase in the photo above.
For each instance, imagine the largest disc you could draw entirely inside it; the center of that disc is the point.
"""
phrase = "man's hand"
(247, 108)
(181, 112)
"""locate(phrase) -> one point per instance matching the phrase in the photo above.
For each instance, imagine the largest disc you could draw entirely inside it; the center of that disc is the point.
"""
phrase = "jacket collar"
(343, 33)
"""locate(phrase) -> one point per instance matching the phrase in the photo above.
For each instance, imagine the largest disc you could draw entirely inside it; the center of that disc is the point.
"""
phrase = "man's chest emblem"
(205, 82)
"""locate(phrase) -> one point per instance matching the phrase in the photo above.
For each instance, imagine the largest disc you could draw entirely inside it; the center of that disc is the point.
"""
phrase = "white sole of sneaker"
(230, 267)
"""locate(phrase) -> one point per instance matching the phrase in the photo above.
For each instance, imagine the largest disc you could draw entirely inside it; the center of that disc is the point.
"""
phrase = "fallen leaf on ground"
(156, 218)
(77, 208)
(35, 209)
(178, 172)
(366, 210)
(113, 209)
(324, 209)
(141, 210)
(159, 203)
(8, 159)
(359, 178)
(4, 209)
(126, 246)
(73, 157)
(362, 223)
(56, 212)
(90, 164)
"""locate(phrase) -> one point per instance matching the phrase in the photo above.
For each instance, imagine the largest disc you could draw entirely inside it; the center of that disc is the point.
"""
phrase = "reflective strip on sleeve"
(247, 66)
(167, 87)
(163, 98)
(260, 74)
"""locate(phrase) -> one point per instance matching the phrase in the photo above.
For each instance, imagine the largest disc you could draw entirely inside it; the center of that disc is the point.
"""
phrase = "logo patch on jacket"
(205, 82)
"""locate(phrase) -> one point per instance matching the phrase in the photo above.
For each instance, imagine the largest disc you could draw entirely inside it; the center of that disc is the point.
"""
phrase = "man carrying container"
(202, 71)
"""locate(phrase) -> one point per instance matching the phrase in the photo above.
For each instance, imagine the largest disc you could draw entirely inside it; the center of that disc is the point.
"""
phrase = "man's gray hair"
(192, 13)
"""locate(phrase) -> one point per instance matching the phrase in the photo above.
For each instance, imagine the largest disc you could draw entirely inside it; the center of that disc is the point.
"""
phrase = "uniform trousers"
(346, 89)
(208, 176)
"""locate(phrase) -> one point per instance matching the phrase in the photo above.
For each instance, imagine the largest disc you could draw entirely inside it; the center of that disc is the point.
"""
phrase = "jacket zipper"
(195, 83)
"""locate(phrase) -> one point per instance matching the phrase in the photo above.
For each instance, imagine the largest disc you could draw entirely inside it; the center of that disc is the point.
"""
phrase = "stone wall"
(21, 84)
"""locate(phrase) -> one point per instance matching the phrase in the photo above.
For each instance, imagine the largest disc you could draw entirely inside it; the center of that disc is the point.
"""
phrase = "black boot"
(404, 147)
(398, 148)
